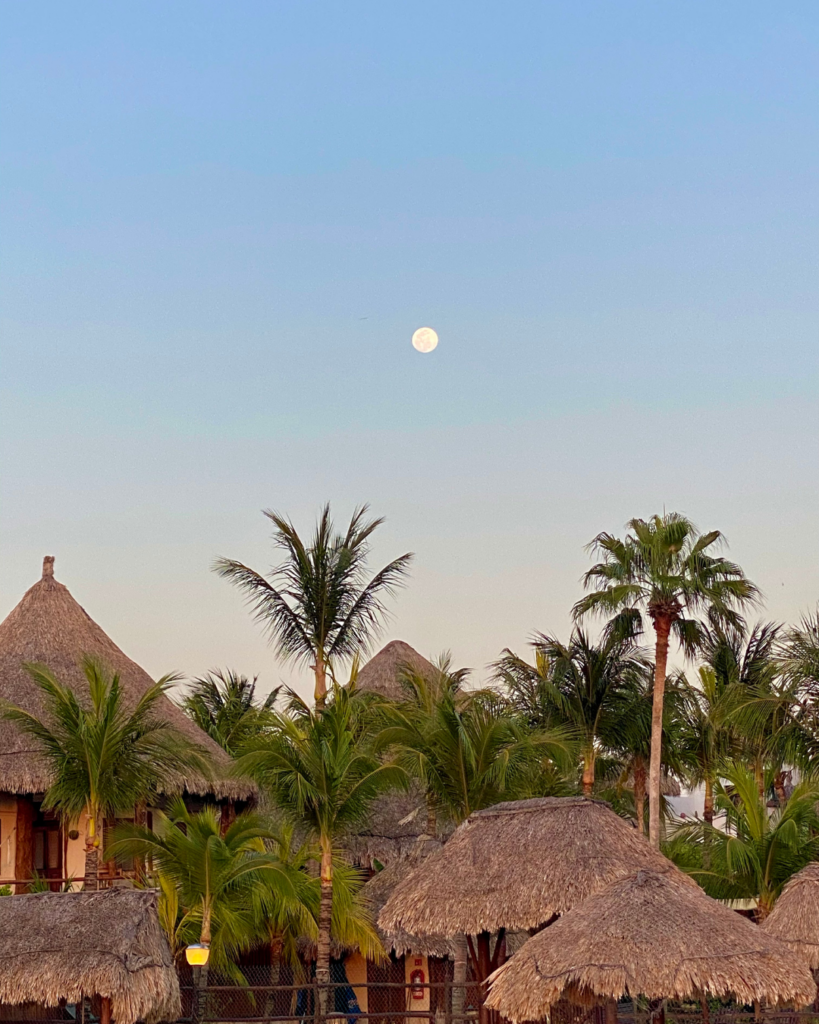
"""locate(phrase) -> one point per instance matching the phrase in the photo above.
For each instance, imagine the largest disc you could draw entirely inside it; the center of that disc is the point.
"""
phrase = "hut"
(382, 673)
(49, 627)
(516, 867)
(104, 946)
(795, 916)
(651, 934)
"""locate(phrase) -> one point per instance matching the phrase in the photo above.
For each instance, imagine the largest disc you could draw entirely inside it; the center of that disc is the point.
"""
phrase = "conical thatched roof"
(795, 916)
(517, 864)
(57, 946)
(49, 627)
(382, 673)
(652, 935)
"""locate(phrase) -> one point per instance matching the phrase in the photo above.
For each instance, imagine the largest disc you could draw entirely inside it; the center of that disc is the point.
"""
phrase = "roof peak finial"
(48, 567)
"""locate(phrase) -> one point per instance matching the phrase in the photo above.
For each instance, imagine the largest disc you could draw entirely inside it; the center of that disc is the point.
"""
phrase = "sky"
(222, 222)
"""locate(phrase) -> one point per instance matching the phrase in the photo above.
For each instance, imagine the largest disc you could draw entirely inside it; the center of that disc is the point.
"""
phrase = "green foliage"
(755, 851)
(320, 767)
(320, 605)
(579, 686)
(223, 704)
(665, 567)
(105, 754)
(210, 882)
(466, 749)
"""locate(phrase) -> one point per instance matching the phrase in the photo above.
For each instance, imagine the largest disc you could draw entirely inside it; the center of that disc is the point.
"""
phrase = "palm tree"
(223, 704)
(105, 755)
(574, 684)
(706, 740)
(663, 568)
(756, 852)
(211, 880)
(755, 701)
(626, 736)
(320, 605)
(321, 770)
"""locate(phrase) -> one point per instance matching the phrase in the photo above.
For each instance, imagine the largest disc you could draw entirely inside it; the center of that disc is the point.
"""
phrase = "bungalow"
(49, 627)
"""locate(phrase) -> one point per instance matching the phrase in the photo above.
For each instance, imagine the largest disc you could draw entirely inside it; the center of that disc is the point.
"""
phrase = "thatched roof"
(380, 887)
(49, 627)
(652, 935)
(57, 946)
(517, 864)
(395, 823)
(795, 916)
(382, 673)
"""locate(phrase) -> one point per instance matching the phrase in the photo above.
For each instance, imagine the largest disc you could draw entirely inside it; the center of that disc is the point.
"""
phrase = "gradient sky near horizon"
(222, 223)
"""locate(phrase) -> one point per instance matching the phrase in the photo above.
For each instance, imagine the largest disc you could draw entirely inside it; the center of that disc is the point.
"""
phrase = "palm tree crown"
(320, 605)
(223, 704)
(105, 756)
(664, 568)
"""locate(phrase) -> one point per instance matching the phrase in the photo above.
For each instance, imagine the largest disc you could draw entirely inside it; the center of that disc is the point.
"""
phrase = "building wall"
(356, 967)
(8, 830)
(417, 963)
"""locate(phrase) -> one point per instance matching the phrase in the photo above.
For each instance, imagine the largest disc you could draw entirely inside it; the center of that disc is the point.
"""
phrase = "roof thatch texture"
(57, 946)
(379, 889)
(382, 673)
(49, 627)
(391, 831)
(517, 864)
(652, 935)
(795, 916)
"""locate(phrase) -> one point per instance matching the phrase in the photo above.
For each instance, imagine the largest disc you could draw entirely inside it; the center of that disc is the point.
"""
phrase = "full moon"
(424, 339)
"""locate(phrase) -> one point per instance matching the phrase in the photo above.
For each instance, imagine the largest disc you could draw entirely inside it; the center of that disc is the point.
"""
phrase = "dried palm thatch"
(395, 824)
(795, 916)
(651, 935)
(379, 889)
(49, 627)
(57, 946)
(382, 673)
(517, 864)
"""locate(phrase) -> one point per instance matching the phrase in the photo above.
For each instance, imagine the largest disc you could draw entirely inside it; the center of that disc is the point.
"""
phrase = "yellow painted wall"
(8, 832)
(416, 963)
(74, 866)
(356, 967)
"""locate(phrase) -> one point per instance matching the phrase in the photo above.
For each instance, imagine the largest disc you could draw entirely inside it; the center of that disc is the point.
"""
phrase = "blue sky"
(222, 223)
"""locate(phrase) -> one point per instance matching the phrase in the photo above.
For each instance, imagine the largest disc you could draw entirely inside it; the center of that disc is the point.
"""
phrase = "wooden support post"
(105, 1010)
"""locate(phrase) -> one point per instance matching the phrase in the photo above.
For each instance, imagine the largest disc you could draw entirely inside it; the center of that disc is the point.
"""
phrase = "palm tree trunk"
(92, 855)
(662, 627)
(708, 802)
(459, 977)
(320, 672)
(431, 827)
(588, 771)
(639, 774)
(324, 925)
(759, 775)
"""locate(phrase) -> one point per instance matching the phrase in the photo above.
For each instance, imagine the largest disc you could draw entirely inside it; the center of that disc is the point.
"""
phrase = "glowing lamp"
(197, 954)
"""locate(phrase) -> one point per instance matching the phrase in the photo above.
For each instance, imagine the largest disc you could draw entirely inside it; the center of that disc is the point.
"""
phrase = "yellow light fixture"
(197, 954)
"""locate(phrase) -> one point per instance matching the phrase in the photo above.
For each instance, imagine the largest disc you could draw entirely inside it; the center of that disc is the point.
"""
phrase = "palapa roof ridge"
(382, 673)
(48, 626)
(795, 916)
(109, 943)
(515, 867)
(648, 934)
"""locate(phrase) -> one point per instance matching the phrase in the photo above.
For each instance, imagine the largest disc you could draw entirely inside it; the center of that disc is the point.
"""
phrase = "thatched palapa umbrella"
(650, 934)
(795, 916)
(107, 944)
(515, 866)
